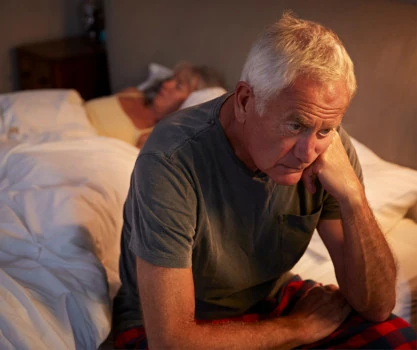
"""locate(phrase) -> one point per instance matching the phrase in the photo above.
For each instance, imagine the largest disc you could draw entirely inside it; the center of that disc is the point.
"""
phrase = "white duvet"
(402, 238)
(60, 223)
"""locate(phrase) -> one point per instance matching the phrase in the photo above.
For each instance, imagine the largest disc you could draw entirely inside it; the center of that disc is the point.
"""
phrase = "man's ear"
(243, 98)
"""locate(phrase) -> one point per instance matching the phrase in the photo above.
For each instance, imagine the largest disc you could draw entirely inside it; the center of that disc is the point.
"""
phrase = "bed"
(62, 188)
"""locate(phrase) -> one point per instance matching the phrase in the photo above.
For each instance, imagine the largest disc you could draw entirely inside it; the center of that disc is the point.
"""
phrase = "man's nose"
(168, 84)
(306, 149)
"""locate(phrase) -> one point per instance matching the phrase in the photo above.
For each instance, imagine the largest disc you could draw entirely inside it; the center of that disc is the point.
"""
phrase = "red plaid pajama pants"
(354, 333)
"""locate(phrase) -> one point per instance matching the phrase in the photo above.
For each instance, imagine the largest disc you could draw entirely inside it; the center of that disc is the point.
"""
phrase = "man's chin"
(288, 179)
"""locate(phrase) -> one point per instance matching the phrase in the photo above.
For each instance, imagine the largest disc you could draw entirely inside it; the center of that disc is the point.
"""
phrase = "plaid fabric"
(354, 333)
(133, 338)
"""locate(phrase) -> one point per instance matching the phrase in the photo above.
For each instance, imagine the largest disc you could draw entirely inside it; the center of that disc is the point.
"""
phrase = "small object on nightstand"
(72, 63)
(92, 18)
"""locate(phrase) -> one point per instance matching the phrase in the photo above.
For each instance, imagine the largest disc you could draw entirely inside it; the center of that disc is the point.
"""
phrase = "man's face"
(295, 128)
(172, 94)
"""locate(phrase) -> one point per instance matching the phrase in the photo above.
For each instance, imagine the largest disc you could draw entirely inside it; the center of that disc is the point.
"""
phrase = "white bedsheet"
(60, 223)
(316, 265)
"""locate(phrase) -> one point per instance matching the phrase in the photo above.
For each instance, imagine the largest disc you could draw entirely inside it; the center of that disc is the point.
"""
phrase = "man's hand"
(363, 262)
(334, 171)
(320, 312)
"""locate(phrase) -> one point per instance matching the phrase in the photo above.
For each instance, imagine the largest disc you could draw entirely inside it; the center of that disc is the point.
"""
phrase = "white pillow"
(391, 189)
(412, 213)
(45, 113)
(156, 74)
(109, 119)
(203, 95)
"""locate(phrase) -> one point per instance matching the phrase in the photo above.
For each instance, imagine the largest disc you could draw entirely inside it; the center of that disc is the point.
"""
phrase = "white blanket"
(402, 238)
(60, 223)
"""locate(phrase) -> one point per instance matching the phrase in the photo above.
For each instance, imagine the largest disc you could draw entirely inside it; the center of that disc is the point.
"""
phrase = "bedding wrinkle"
(62, 192)
(402, 239)
(28, 313)
(59, 230)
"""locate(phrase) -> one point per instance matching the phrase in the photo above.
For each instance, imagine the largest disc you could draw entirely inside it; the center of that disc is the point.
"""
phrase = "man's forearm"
(368, 273)
(278, 333)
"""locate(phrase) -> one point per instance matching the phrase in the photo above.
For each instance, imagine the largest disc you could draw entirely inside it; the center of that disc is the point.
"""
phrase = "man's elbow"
(379, 314)
(374, 308)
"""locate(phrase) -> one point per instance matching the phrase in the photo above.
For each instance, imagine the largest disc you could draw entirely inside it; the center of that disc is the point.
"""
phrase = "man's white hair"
(292, 47)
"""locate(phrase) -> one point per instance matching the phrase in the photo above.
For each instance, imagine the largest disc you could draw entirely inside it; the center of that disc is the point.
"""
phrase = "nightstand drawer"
(35, 74)
(73, 63)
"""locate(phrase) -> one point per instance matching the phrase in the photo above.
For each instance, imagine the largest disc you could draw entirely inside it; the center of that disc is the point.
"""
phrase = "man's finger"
(309, 179)
(331, 287)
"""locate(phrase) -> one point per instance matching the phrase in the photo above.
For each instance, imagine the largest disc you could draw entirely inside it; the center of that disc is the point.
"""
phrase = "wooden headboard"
(380, 35)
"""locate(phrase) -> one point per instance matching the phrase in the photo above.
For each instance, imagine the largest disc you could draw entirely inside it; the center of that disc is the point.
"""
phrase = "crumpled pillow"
(203, 95)
(43, 114)
(391, 189)
(156, 74)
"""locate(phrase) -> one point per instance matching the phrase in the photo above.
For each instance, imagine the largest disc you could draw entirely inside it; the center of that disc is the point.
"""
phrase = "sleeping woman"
(131, 114)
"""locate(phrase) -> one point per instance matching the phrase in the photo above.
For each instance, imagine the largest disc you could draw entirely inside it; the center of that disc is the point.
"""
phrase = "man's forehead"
(310, 121)
(183, 74)
(308, 93)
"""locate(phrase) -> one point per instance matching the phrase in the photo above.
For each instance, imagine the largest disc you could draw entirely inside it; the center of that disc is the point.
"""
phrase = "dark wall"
(27, 21)
(380, 35)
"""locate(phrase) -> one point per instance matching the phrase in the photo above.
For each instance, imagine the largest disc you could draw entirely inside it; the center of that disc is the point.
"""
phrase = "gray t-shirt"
(193, 203)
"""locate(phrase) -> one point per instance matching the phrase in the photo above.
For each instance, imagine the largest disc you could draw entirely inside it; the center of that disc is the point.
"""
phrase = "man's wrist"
(354, 195)
(295, 330)
(355, 200)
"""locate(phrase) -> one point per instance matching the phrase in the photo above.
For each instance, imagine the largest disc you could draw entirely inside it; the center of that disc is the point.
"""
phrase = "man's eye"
(325, 132)
(180, 84)
(294, 127)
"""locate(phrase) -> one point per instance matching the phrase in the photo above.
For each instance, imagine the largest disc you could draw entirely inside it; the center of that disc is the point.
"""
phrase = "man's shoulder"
(176, 131)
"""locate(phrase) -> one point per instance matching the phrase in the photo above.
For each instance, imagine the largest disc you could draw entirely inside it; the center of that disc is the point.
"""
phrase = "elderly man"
(224, 199)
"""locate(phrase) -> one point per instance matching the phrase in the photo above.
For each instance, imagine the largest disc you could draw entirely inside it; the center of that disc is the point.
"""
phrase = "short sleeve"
(331, 208)
(163, 213)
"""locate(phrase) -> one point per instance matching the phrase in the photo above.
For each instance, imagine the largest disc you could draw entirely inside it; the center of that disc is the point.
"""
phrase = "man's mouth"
(295, 169)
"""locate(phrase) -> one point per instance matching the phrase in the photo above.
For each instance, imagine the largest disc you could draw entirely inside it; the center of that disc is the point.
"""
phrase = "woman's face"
(173, 93)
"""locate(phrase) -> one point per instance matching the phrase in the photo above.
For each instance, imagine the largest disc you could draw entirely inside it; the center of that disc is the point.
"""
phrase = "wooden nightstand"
(72, 63)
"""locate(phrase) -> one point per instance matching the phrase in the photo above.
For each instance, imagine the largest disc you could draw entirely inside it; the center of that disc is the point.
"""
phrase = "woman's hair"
(200, 76)
(209, 77)
(292, 47)
(197, 78)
